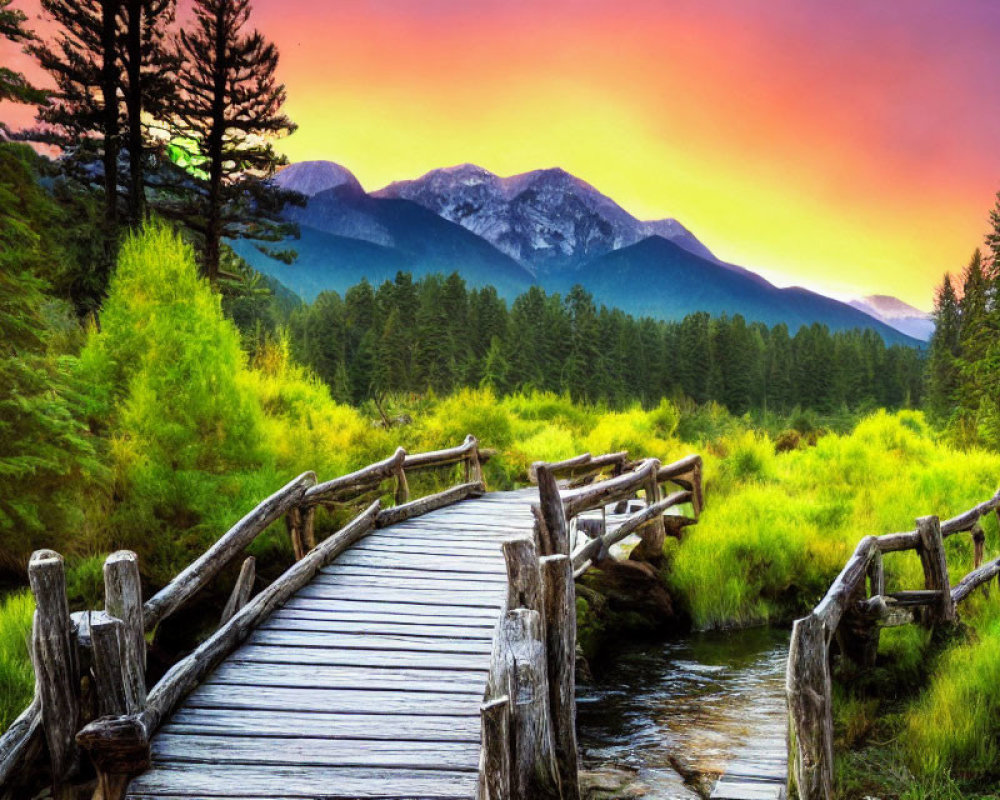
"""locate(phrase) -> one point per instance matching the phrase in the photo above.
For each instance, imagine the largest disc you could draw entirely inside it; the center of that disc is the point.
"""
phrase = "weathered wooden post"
(932, 558)
(697, 492)
(810, 717)
(119, 748)
(532, 760)
(553, 531)
(309, 527)
(654, 533)
(857, 633)
(118, 672)
(402, 494)
(559, 602)
(473, 469)
(242, 590)
(524, 578)
(123, 599)
(54, 657)
(495, 717)
(293, 522)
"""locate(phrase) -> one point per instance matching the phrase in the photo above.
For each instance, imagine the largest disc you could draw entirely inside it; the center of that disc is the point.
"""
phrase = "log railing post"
(308, 527)
(242, 590)
(932, 558)
(524, 577)
(559, 601)
(293, 522)
(118, 674)
(554, 532)
(522, 646)
(123, 599)
(473, 469)
(56, 664)
(402, 494)
(654, 533)
(810, 718)
(496, 778)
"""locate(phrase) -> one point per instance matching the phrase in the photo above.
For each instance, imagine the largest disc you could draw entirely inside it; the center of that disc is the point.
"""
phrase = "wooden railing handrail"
(808, 681)
(600, 494)
(198, 574)
(117, 652)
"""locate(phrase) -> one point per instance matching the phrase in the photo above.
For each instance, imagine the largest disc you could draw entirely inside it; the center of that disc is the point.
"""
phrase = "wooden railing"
(108, 647)
(529, 708)
(851, 613)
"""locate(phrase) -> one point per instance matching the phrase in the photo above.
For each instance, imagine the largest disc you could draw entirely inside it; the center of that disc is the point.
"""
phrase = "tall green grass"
(778, 527)
(17, 680)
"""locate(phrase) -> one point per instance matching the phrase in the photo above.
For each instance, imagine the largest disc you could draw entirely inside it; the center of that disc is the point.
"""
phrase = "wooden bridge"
(425, 650)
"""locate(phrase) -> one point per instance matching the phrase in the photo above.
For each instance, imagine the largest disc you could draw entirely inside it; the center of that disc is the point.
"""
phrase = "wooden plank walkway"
(759, 769)
(366, 684)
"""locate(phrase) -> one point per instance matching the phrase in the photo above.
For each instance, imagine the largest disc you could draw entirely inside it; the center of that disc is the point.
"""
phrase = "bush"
(169, 388)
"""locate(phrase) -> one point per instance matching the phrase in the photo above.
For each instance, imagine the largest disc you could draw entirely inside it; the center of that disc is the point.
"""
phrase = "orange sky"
(853, 147)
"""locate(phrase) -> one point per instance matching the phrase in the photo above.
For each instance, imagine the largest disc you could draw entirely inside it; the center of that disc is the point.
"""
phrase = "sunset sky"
(850, 146)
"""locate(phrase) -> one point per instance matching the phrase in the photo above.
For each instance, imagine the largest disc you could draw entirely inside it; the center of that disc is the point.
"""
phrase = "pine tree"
(46, 453)
(495, 368)
(14, 87)
(149, 70)
(945, 349)
(83, 113)
(230, 107)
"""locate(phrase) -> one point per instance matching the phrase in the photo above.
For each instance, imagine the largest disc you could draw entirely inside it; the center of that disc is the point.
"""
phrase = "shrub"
(168, 386)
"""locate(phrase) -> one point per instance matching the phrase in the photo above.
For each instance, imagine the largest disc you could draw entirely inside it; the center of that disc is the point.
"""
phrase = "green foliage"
(17, 680)
(47, 458)
(168, 389)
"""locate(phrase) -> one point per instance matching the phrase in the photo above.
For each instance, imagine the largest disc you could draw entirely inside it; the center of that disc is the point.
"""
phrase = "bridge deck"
(367, 684)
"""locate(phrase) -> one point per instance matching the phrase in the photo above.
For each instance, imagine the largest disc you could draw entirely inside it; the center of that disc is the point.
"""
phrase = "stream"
(691, 702)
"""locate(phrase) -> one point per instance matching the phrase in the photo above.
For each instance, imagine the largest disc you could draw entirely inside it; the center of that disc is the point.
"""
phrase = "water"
(694, 700)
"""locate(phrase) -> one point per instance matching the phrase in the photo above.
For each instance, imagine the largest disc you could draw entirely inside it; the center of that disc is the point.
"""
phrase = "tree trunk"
(133, 105)
(109, 97)
(213, 221)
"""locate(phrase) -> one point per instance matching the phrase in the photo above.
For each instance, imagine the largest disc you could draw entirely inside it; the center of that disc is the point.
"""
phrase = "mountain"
(312, 177)
(897, 314)
(658, 278)
(544, 227)
(546, 220)
(347, 235)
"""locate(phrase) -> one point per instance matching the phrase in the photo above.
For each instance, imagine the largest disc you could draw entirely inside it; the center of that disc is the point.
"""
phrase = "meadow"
(191, 432)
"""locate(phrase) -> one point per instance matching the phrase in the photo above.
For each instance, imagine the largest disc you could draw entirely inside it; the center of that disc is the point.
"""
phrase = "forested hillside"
(437, 334)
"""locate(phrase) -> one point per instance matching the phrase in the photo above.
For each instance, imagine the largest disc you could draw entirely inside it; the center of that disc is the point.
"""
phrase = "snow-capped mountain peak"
(545, 219)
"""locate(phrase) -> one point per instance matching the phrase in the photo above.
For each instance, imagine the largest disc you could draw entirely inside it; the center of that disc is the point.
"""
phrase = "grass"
(778, 527)
(17, 680)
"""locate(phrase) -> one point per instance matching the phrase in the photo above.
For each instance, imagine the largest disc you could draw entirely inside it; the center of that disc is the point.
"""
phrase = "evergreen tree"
(14, 87)
(230, 106)
(495, 368)
(945, 350)
(149, 70)
(46, 454)
(82, 116)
